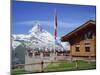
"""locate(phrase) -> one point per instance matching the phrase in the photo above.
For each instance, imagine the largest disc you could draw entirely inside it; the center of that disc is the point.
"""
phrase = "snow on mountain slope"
(65, 45)
(15, 44)
(35, 38)
(36, 29)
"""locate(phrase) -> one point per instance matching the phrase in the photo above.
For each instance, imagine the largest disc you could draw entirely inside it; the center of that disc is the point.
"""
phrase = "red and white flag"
(55, 26)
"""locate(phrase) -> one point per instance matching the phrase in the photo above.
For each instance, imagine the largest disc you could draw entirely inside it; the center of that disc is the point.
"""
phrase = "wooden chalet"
(82, 40)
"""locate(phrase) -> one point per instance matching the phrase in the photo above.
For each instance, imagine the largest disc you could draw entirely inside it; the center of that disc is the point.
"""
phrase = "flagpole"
(55, 33)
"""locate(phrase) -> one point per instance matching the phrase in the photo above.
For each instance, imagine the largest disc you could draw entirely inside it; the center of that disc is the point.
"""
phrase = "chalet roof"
(82, 27)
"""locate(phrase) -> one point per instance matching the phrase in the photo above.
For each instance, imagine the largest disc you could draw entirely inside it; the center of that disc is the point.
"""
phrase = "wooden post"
(42, 66)
(89, 59)
(18, 66)
(71, 57)
(76, 64)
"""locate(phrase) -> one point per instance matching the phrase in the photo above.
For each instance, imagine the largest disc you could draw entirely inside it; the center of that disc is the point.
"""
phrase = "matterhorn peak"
(36, 28)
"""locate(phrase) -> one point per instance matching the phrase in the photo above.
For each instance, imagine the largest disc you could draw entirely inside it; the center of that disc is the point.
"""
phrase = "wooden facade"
(82, 40)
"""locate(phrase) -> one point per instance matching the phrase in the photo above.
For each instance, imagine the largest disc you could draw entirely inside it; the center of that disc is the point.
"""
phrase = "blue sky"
(25, 14)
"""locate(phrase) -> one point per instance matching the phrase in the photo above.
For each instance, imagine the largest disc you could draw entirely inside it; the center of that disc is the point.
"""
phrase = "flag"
(55, 26)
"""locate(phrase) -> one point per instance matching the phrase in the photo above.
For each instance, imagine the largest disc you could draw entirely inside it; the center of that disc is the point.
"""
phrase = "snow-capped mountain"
(35, 38)
(15, 44)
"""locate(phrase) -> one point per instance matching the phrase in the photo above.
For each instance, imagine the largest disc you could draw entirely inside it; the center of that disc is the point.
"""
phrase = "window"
(87, 49)
(37, 53)
(46, 54)
(30, 54)
(88, 35)
(77, 49)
